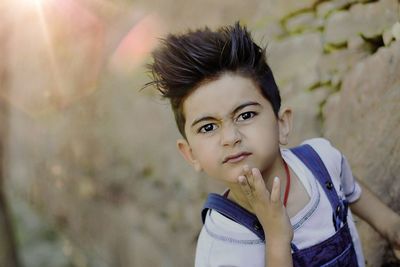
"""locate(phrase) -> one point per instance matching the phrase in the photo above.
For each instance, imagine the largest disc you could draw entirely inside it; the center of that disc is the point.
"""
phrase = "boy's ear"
(187, 153)
(285, 125)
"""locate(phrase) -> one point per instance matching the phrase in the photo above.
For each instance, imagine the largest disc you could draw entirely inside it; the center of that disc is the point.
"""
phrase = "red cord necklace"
(287, 189)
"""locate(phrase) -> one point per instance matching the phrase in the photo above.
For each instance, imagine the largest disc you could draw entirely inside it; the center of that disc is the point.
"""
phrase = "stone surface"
(303, 22)
(337, 27)
(278, 9)
(364, 123)
(338, 62)
(369, 20)
(387, 37)
(268, 31)
(295, 57)
(326, 8)
(373, 18)
(306, 110)
(396, 31)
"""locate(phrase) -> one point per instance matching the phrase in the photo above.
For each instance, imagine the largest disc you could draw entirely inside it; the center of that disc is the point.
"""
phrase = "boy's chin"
(232, 174)
(227, 178)
(231, 180)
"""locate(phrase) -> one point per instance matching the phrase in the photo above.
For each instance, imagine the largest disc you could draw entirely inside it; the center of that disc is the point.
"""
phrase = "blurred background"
(89, 172)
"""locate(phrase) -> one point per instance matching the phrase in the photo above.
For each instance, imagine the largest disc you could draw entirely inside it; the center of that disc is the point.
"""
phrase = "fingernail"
(241, 179)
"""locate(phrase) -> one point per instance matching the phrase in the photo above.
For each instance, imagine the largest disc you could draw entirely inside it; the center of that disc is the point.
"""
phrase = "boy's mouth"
(236, 157)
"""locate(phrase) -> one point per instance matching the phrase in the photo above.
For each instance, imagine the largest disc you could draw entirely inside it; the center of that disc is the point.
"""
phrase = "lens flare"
(137, 44)
(55, 52)
(30, 3)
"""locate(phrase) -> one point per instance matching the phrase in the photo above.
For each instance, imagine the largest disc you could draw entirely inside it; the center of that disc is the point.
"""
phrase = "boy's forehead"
(220, 96)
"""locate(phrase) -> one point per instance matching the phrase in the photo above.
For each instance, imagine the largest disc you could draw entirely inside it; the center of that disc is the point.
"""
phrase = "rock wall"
(313, 49)
(338, 66)
(97, 181)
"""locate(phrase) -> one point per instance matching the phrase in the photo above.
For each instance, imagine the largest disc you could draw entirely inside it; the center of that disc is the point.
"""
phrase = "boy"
(227, 108)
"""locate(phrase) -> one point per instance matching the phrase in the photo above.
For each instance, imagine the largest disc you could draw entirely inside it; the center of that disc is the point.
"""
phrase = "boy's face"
(229, 123)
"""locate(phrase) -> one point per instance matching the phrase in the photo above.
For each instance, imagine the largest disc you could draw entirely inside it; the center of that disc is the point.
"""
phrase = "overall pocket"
(347, 258)
(337, 250)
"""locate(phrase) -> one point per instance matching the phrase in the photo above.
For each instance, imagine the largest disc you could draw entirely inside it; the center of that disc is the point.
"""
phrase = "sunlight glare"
(30, 3)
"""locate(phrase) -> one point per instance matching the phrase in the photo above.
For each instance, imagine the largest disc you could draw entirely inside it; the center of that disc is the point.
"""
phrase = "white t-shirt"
(223, 242)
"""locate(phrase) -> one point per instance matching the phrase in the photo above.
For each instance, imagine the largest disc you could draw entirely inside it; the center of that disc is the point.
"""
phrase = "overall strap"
(234, 212)
(314, 163)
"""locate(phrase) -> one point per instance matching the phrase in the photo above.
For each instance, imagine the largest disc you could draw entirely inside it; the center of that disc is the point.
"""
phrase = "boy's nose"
(230, 136)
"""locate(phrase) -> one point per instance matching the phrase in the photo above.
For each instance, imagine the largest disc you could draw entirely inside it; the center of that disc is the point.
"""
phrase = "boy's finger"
(246, 170)
(245, 186)
(276, 190)
(259, 181)
(260, 190)
(252, 179)
(249, 176)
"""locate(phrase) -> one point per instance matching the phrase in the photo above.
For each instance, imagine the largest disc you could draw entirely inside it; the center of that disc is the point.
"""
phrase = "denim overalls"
(337, 250)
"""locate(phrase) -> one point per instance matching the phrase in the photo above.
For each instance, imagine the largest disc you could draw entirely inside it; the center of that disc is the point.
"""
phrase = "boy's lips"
(236, 157)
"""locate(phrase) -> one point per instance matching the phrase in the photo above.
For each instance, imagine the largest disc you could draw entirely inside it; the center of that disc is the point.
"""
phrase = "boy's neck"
(276, 169)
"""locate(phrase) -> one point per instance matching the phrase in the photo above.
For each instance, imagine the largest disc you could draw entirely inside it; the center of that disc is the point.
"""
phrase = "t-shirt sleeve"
(351, 188)
(338, 167)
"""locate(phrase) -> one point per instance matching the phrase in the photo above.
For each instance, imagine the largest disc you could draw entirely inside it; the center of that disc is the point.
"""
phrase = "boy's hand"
(267, 206)
(392, 234)
(377, 214)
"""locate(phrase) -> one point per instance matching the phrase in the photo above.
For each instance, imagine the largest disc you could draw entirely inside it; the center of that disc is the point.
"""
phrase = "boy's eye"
(207, 128)
(246, 115)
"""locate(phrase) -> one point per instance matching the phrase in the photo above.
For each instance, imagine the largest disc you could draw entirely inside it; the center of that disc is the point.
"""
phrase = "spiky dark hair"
(185, 61)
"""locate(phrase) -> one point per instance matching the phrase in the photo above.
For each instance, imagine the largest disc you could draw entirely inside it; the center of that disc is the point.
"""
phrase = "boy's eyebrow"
(242, 106)
(207, 118)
